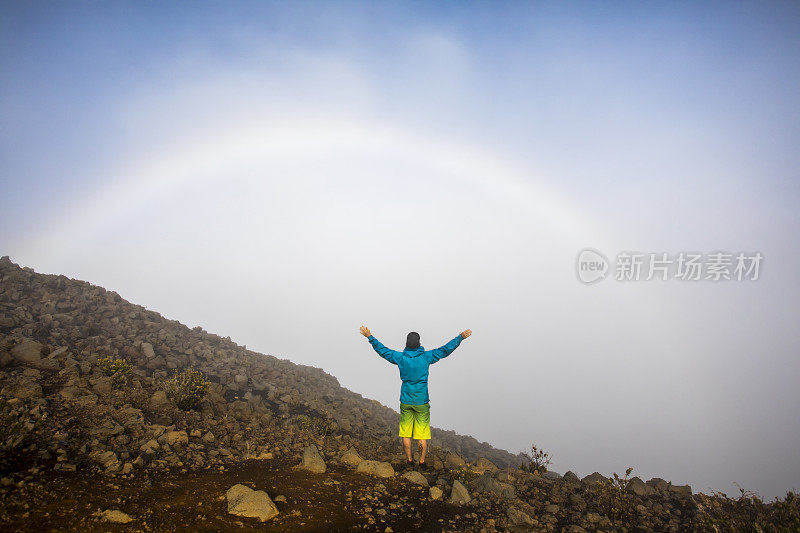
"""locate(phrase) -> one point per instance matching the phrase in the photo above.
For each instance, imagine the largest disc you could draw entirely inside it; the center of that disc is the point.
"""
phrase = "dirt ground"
(177, 500)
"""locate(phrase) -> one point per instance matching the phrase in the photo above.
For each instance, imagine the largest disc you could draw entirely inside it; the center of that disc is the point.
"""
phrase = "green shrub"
(118, 369)
(13, 428)
(614, 500)
(465, 474)
(316, 426)
(536, 462)
(186, 389)
(748, 512)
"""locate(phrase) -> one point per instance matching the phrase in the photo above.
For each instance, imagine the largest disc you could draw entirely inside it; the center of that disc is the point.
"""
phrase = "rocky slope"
(75, 323)
(66, 427)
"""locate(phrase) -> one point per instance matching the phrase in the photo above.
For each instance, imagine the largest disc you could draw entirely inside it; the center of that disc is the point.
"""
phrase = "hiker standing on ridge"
(415, 415)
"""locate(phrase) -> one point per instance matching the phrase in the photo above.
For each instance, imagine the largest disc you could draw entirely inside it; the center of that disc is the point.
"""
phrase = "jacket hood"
(413, 352)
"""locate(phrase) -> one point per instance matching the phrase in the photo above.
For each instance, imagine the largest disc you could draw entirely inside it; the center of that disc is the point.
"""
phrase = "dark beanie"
(412, 341)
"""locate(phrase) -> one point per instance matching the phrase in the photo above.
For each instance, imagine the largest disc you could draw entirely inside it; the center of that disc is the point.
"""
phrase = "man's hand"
(464, 334)
(365, 331)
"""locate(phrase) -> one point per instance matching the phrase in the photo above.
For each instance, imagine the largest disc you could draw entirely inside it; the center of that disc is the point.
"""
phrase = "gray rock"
(147, 350)
(658, 483)
(577, 502)
(552, 475)
(27, 390)
(485, 465)
(459, 495)
(375, 468)
(415, 477)
(639, 487)
(174, 438)
(570, 477)
(453, 460)
(131, 417)
(486, 483)
(312, 460)
(101, 385)
(28, 352)
(159, 399)
(106, 459)
(116, 516)
(351, 457)
(682, 491)
(574, 528)
(59, 353)
(519, 518)
(593, 478)
(435, 493)
(244, 501)
(149, 447)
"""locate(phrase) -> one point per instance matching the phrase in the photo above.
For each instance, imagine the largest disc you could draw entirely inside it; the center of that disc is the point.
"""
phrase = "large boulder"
(116, 516)
(106, 459)
(519, 518)
(593, 478)
(351, 458)
(174, 438)
(375, 468)
(312, 460)
(485, 465)
(639, 487)
(130, 417)
(244, 501)
(28, 352)
(682, 491)
(459, 495)
(150, 447)
(26, 390)
(147, 350)
(415, 477)
(159, 400)
(658, 484)
(486, 483)
(453, 460)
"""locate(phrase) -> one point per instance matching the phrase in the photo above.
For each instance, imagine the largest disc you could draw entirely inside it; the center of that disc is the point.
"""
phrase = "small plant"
(12, 427)
(118, 369)
(465, 474)
(135, 396)
(314, 426)
(748, 512)
(186, 389)
(614, 500)
(537, 461)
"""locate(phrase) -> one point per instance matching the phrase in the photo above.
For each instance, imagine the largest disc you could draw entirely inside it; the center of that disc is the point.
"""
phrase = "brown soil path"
(176, 500)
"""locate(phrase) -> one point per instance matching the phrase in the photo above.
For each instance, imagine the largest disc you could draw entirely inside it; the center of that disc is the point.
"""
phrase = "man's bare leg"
(423, 449)
(407, 448)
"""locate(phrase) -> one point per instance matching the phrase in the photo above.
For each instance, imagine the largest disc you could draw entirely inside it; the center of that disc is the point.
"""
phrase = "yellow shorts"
(415, 421)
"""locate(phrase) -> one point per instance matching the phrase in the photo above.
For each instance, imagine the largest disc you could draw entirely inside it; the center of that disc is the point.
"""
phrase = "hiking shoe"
(408, 466)
(423, 466)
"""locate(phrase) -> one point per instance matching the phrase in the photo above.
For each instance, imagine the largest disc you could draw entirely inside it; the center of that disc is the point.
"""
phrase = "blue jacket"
(413, 366)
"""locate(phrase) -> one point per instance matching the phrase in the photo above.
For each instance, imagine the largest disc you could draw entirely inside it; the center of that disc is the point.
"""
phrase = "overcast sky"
(284, 173)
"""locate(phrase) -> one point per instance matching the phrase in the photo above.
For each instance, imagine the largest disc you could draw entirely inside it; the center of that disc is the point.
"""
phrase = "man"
(414, 402)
